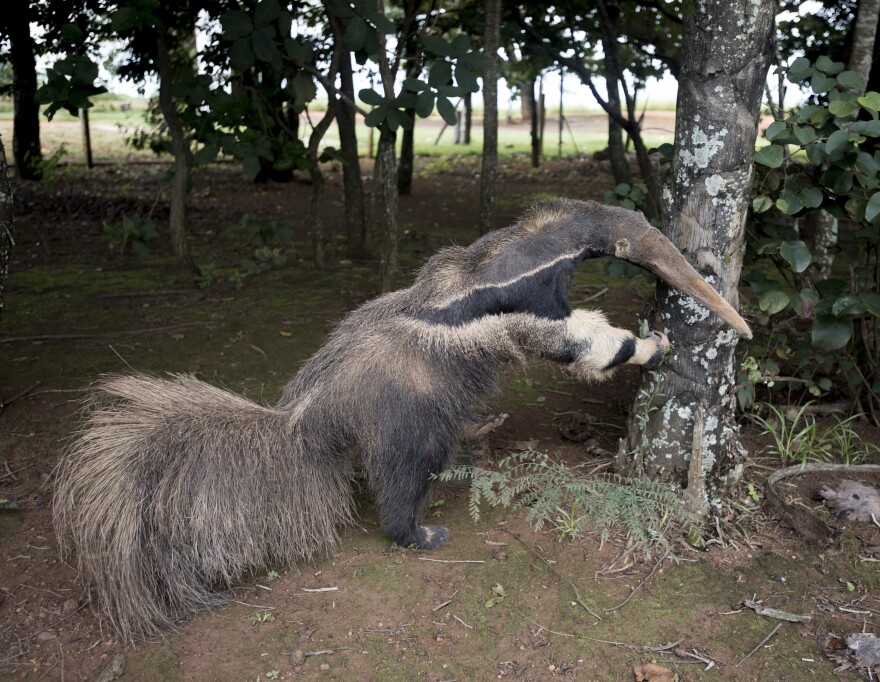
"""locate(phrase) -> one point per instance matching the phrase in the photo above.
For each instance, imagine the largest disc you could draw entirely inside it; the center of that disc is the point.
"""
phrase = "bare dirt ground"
(76, 309)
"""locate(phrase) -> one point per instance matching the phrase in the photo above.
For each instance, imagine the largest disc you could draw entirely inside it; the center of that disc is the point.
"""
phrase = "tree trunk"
(26, 149)
(388, 177)
(616, 149)
(406, 164)
(864, 35)
(489, 172)
(534, 121)
(180, 150)
(352, 182)
(316, 225)
(468, 118)
(7, 223)
(87, 137)
(682, 427)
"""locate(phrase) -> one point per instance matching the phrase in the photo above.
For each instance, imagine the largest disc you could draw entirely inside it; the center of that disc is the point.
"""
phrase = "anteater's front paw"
(661, 344)
(431, 537)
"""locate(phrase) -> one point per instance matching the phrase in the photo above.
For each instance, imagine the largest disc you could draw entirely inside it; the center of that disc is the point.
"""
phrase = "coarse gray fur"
(174, 488)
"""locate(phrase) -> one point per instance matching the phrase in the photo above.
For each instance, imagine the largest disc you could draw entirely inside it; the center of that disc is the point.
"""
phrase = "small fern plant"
(556, 494)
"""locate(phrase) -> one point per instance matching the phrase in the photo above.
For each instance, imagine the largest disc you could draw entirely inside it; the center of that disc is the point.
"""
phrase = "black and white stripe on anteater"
(174, 487)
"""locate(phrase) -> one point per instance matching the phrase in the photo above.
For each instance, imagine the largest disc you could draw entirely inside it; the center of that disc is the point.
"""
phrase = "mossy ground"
(76, 310)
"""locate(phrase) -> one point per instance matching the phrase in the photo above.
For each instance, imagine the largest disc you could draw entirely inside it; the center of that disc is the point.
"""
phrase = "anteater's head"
(608, 230)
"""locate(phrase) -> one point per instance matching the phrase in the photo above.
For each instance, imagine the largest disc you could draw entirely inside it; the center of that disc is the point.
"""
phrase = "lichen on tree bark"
(705, 200)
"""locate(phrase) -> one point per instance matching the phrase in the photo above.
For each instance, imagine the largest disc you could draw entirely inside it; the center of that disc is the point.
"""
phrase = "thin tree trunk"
(388, 180)
(865, 33)
(352, 181)
(534, 122)
(26, 149)
(616, 149)
(489, 171)
(682, 427)
(7, 223)
(542, 116)
(561, 110)
(180, 150)
(316, 225)
(406, 164)
(468, 118)
(87, 137)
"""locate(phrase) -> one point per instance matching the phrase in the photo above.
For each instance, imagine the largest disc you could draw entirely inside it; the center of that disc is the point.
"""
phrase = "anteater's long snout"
(646, 247)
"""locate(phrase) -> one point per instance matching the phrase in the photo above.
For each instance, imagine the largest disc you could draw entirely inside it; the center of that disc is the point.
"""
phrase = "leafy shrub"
(821, 322)
(134, 231)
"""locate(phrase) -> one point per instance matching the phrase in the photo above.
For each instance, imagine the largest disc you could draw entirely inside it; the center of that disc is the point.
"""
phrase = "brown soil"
(75, 309)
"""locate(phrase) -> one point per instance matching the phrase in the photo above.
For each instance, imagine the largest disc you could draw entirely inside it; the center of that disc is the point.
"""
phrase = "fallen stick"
(319, 589)
(97, 334)
(639, 586)
(453, 561)
(760, 644)
(446, 603)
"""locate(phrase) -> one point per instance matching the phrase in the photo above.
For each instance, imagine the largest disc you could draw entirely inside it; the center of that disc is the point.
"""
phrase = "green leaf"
(376, 116)
(762, 203)
(775, 130)
(304, 89)
(263, 41)
(241, 54)
(437, 45)
(866, 164)
(207, 154)
(871, 301)
(816, 154)
(355, 34)
(460, 45)
(394, 118)
(251, 166)
(797, 254)
(821, 83)
(771, 156)
(812, 197)
(870, 100)
(446, 110)
(371, 97)
(872, 210)
(440, 74)
(836, 142)
(425, 103)
(829, 66)
(774, 301)
(805, 134)
(851, 80)
(466, 79)
(71, 33)
(800, 69)
(236, 25)
(841, 107)
(266, 11)
(867, 128)
(829, 333)
(849, 304)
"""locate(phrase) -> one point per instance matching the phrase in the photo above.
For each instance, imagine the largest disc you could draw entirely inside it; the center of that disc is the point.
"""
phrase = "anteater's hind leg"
(401, 479)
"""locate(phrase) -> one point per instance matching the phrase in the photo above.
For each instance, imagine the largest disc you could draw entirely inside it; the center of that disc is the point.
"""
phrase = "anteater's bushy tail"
(174, 488)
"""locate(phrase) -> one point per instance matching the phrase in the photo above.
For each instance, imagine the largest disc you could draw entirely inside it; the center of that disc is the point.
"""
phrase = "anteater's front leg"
(586, 344)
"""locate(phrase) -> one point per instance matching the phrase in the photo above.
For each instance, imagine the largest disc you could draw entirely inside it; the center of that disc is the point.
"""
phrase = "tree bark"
(864, 36)
(26, 150)
(87, 137)
(352, 182)
(406, 164)
(534, 121)
(682, 426)
(468, 118)
(180, 150)
(316, 225)
(616, 149)
(388, 180)
(7, 223)
(489, 172)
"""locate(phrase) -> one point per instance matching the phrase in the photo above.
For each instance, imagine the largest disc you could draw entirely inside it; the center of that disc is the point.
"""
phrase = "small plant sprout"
(261, 617)
(273, 674)
(272, 575)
